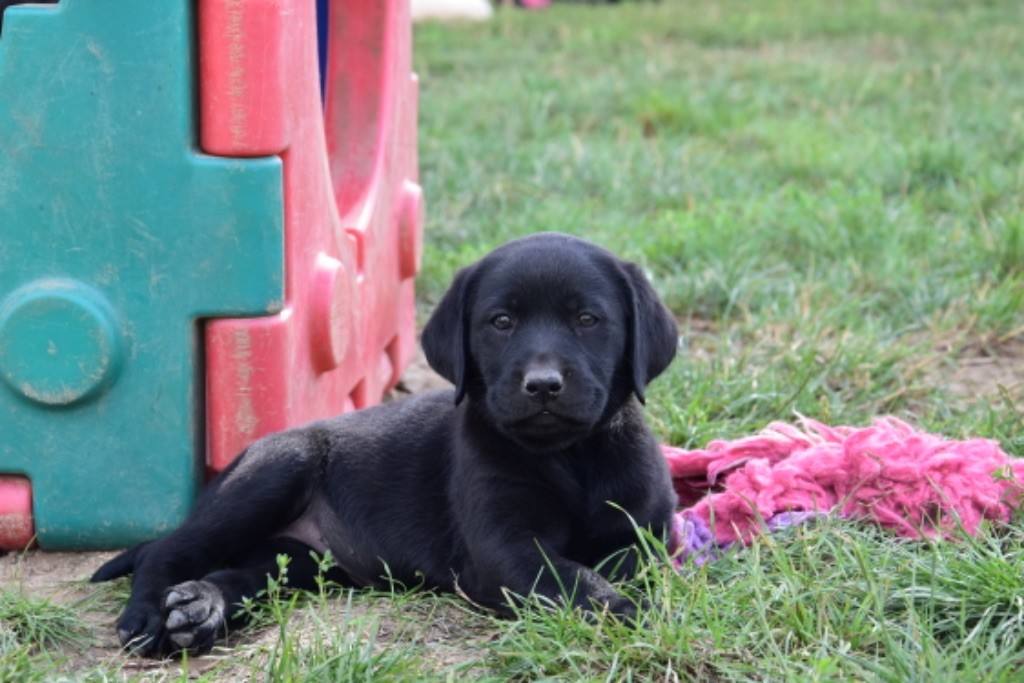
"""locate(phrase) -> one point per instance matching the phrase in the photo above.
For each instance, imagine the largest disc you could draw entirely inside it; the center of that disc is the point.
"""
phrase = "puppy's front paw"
(140, 630)
(625, 610)
(193, 616)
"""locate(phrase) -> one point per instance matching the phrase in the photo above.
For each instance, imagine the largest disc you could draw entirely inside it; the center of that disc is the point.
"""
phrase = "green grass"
(830, 196)
(830, 601)
(35, 634)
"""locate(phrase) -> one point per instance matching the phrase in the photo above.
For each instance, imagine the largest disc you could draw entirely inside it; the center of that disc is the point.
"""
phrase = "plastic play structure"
(210, 221)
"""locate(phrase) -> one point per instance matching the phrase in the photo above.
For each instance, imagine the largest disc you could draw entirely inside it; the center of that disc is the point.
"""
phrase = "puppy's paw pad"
(183, 639)
(194, 615)
(195, 601)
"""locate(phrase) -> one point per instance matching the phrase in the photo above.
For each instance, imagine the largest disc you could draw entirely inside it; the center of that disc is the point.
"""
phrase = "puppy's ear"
(653, 335)
(445, 341)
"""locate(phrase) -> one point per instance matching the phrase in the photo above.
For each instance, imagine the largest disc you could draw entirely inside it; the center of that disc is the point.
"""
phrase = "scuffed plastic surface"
(353, 208)
(116, 236)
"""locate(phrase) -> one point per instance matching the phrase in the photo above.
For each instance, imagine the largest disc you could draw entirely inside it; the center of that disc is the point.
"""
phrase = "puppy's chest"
(585, 488)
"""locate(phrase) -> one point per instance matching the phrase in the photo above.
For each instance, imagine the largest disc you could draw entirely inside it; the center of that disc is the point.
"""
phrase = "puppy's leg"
(618, 556)
(195, 613)
(582, 587)
(525, 568)
(619, 565)
(257, 496)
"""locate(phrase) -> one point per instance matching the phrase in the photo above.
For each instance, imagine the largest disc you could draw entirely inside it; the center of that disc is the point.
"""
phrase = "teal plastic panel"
(116, 236)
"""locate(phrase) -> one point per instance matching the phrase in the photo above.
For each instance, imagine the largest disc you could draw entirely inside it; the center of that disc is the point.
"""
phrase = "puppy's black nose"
(542, 383)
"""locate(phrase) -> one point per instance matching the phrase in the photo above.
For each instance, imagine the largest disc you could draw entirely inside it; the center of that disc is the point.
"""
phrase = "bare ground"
(988, 369)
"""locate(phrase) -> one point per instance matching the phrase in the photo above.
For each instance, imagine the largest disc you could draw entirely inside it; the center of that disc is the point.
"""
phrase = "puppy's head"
(549, 334)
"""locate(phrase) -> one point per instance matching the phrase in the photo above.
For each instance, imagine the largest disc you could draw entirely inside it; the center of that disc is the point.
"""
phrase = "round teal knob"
(60, 342)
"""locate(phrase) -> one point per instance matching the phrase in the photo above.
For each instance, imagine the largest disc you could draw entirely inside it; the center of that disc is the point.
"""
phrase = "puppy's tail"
(121, 565)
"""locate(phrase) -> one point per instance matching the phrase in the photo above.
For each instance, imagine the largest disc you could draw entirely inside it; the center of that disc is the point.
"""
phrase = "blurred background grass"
(828, 195)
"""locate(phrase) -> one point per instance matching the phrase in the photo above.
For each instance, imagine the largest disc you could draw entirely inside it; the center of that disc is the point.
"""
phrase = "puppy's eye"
(586, 319)
(502, 322)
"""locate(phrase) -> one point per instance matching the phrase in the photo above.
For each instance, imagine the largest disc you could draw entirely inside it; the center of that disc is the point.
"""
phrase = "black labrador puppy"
(524, 478)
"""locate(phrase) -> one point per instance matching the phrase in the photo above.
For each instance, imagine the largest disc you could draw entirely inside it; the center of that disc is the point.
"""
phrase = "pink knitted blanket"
(916, 483)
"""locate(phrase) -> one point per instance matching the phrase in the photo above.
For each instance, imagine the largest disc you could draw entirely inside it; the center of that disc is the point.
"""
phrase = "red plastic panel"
(243, 104)
(353, 208)
(16, 527)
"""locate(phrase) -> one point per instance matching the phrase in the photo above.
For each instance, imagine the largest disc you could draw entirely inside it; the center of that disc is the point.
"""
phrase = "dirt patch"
(985, 369)
(418, 377)
(62, 579)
